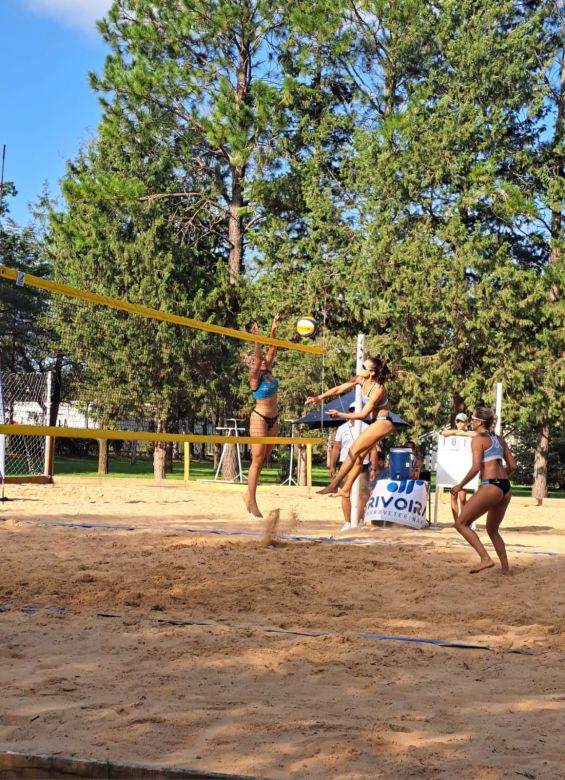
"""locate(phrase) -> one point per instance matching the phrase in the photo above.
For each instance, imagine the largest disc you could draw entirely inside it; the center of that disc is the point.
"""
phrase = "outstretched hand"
(333, 413)
(275, 324)
(312, 399)
(255, 329)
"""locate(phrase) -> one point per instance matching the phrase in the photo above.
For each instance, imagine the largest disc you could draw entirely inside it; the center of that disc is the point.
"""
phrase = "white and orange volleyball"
(307, 327)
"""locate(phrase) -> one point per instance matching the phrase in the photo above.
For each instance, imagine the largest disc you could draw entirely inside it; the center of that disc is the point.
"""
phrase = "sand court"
(166, 646)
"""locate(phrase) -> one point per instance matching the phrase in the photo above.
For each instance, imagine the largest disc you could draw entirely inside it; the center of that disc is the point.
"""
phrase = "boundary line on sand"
(257, 534)
(312, 633)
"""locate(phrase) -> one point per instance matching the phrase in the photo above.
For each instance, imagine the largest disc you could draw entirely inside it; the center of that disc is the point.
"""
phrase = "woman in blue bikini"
(495, 462)
(372, 377)
(264, 419)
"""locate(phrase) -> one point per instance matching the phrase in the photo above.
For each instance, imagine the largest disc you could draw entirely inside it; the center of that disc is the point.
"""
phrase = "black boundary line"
(314, 633)
(355, 542)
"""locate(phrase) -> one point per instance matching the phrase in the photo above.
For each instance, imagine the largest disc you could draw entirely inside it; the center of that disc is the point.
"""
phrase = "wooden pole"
(186, 462)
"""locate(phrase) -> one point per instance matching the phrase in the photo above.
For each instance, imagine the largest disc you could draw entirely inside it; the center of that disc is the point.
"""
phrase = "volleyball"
(307, 327)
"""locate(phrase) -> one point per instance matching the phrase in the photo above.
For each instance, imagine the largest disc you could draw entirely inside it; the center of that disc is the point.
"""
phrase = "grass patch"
(142, 468)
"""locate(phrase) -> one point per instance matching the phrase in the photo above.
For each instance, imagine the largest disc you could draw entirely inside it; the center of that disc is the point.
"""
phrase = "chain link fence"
(26, 401)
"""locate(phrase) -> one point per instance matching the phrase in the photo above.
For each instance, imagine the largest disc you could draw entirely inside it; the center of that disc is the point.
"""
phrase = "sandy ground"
(165, 651)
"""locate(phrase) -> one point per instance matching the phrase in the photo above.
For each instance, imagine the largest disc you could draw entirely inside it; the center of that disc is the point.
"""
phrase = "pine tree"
(24, 332)
(115, 239)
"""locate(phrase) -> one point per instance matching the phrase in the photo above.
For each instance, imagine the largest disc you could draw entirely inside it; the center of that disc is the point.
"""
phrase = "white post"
(498, 409)
(47, 453)
(355, 508)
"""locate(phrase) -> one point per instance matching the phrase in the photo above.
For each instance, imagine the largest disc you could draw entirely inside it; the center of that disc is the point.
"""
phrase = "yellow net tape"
(73, 292)
(102, 433)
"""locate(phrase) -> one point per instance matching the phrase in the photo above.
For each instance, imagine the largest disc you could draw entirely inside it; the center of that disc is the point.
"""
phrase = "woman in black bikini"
(372, 377)
(264, 419)
(494, 493)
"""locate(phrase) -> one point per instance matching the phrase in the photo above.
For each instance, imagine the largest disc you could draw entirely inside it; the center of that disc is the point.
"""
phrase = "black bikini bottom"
(271, 421)
(503, 484)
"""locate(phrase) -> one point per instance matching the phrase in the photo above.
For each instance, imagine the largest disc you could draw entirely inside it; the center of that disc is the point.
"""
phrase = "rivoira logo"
(394, 500)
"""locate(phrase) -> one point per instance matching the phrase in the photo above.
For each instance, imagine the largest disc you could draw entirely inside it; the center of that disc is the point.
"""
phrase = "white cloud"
(81, 14)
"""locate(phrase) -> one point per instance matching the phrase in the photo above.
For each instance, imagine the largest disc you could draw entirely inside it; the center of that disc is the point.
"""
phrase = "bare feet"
(251, 506)
(507, 572)
(327, 490)
(486, 563)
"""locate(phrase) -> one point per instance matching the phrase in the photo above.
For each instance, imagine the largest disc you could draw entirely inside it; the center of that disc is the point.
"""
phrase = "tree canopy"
(390, 168)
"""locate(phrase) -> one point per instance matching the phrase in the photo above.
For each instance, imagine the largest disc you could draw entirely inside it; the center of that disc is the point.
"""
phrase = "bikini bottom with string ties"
(271, 421)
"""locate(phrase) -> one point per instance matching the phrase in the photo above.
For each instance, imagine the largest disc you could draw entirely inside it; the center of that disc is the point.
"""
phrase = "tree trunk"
(301, 466)
(169, 457)
(159, 454)
(56, 385)
(235, 225)
(102, 456)
(457, 405)
(541, 455)
(229, 463)
(235, 219)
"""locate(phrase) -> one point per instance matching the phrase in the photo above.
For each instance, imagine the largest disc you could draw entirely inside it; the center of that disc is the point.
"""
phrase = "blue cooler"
(400, 459)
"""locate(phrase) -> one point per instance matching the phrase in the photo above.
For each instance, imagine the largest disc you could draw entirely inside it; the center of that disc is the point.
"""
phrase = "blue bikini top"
(495, 451)
(266, 389)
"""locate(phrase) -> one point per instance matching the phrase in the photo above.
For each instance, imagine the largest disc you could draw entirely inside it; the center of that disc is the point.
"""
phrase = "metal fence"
(26, 401)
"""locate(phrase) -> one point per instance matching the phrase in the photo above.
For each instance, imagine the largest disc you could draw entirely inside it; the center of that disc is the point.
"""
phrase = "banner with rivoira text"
(403, 502)
(2, 436)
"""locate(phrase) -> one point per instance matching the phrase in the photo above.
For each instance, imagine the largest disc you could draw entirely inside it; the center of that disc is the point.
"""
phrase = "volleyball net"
(129, 372)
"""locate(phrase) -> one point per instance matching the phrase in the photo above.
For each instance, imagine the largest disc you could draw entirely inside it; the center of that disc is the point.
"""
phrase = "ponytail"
(382, 371)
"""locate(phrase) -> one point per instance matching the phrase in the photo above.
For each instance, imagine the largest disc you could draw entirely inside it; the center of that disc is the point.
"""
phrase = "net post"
(309, 467)
(498, 408)
(355, 508)
(49, 458)
(186, 462)
(49, 466)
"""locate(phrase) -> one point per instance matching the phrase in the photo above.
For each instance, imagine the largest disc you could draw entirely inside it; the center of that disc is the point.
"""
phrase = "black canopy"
(342, 403)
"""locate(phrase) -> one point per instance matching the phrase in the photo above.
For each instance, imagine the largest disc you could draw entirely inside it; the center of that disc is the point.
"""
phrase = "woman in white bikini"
(264, 419)
(372, 379)
(494, 493)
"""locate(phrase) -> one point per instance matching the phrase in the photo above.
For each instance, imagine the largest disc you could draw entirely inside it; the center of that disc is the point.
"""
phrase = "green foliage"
(24, 329)
(389, 168)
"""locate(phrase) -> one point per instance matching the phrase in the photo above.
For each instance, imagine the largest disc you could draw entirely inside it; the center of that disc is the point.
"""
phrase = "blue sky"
(47, 110)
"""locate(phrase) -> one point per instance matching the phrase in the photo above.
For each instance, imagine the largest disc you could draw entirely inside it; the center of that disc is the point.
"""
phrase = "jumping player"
(372, 378)
(264, 419)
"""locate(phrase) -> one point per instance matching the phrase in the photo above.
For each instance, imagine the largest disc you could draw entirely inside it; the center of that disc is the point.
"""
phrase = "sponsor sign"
(403, 502)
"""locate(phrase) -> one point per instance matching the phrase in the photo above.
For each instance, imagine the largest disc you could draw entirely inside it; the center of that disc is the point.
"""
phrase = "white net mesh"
(26, 402)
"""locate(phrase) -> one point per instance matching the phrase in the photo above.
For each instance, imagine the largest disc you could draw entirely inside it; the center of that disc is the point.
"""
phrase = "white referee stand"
(231, 429)
(290, 479)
